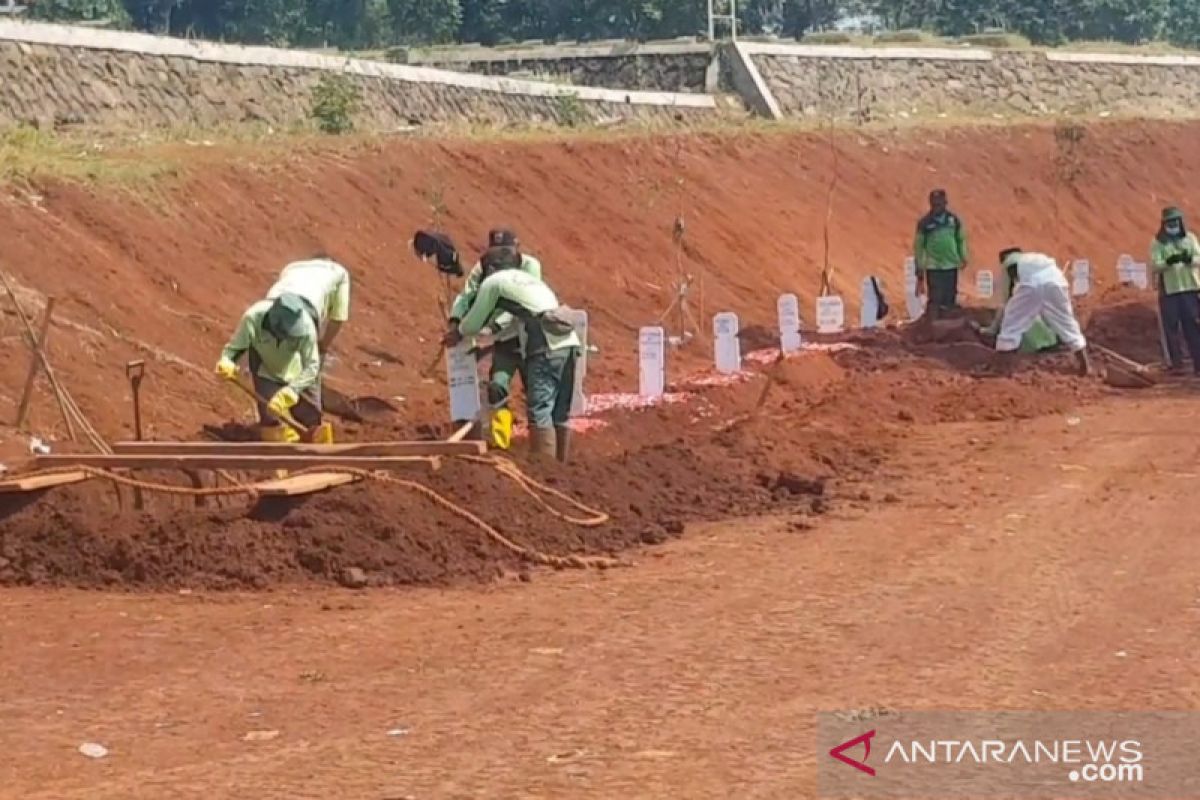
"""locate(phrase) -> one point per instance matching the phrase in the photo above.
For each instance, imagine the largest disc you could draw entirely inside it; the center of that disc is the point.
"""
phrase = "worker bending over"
(280, 339)
(548, 342)
(1038, 339)
(1041, 292)
(940, 253)
(325, 285)
(1175, 256)
(505, 329)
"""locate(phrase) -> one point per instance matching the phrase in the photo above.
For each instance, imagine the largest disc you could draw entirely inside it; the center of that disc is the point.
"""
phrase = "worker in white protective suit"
(1041, 292)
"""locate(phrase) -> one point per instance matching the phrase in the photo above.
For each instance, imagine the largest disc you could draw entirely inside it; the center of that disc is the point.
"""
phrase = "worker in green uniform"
(940, 252)
(1175, 256)
(549, 345)
(280, 339)
(506, 348)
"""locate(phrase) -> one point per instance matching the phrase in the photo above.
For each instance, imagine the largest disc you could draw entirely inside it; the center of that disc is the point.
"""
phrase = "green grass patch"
(997, 41)
(28, 155)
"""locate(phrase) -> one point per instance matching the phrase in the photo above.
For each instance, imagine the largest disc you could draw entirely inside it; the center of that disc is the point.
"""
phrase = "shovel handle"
(286, 419)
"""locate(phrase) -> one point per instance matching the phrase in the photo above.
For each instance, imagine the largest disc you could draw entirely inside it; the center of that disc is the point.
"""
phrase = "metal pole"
(733, 20)
(712, 33)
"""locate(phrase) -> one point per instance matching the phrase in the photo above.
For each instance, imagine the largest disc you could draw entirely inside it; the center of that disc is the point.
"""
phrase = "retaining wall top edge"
(848, 51)
(1126, 59)
(554, 53)
(147, 44)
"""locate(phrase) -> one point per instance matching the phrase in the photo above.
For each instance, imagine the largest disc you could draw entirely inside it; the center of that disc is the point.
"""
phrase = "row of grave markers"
(463, 369)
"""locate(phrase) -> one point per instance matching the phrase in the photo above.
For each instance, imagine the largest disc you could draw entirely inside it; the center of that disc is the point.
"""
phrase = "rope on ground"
(510, 470)
(527, 553)
(505, 467)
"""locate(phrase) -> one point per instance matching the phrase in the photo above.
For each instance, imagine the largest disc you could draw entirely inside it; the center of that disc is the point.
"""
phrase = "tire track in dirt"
(698, 673)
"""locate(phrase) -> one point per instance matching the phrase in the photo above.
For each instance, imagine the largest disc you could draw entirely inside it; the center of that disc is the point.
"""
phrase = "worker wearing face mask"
(1175, 256)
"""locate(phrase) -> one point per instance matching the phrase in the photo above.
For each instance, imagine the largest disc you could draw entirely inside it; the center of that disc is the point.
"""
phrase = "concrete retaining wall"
(863, 84)
(687, 66)
(58, 73)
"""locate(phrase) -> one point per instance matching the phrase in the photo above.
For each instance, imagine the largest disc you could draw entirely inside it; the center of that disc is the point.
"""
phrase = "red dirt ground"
(172, 269)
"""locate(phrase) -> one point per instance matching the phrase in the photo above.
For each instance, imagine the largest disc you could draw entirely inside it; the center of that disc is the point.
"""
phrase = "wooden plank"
(187, 462)
(304, 484)
(432, 448)
(36, 483)
(463, 432)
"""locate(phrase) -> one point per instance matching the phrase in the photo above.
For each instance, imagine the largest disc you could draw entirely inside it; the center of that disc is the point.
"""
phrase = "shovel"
(285, 418)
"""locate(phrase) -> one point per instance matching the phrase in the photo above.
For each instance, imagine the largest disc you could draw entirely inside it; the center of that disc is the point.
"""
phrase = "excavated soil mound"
(1125, 320)
(826, 421)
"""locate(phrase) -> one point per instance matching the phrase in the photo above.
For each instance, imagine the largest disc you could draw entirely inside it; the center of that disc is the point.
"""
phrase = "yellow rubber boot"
(323, 434)
(502, 425)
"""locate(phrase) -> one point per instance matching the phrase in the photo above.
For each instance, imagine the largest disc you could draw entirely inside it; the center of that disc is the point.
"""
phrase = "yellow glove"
(283, 400)
(227, 369)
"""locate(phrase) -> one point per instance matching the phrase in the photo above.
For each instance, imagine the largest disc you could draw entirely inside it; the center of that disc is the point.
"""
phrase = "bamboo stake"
(40, 354)
(34, 365)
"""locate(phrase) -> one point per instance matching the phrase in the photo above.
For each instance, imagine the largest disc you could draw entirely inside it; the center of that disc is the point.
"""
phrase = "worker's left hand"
(283, 401)
(452, 337)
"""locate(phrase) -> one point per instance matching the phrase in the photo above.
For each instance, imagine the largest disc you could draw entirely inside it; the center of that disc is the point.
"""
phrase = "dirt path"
(1051, 567)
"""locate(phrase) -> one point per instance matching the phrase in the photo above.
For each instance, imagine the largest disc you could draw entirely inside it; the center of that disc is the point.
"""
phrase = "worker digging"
(286, 339)
(548, 343)
(507, 360)
(1041, 293)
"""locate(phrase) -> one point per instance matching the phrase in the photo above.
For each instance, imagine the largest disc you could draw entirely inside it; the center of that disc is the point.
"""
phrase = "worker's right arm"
(339, 303)
(1158, 256)
(482, 308)
(466, 297)
(240, 342)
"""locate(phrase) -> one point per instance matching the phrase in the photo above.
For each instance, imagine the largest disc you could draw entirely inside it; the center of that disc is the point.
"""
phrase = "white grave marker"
(916, 306)
(727, 350)
(869, 305)
(910, 275)
(788, 307)
(652, 362)
(913, 302)
(579, 318)
(985, 284)
(1125, 269)
(831, 314)
(462, 378)
(1140, 276)
(1081, 277)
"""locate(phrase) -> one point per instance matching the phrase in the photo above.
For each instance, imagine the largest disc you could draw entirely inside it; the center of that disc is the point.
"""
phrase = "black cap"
(500, 257)
(1007, 253)
(936, 195)
(502, 237)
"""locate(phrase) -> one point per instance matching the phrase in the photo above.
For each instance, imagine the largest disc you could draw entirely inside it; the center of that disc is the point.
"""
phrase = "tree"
(1129, 21)
(112, 11)
(1182, 23)
(424, 21)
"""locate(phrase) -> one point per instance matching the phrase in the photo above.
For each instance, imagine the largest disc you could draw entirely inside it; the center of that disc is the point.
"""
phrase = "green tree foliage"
(354, 24)
(421, 21)
(112, 11)
(1182, 25)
